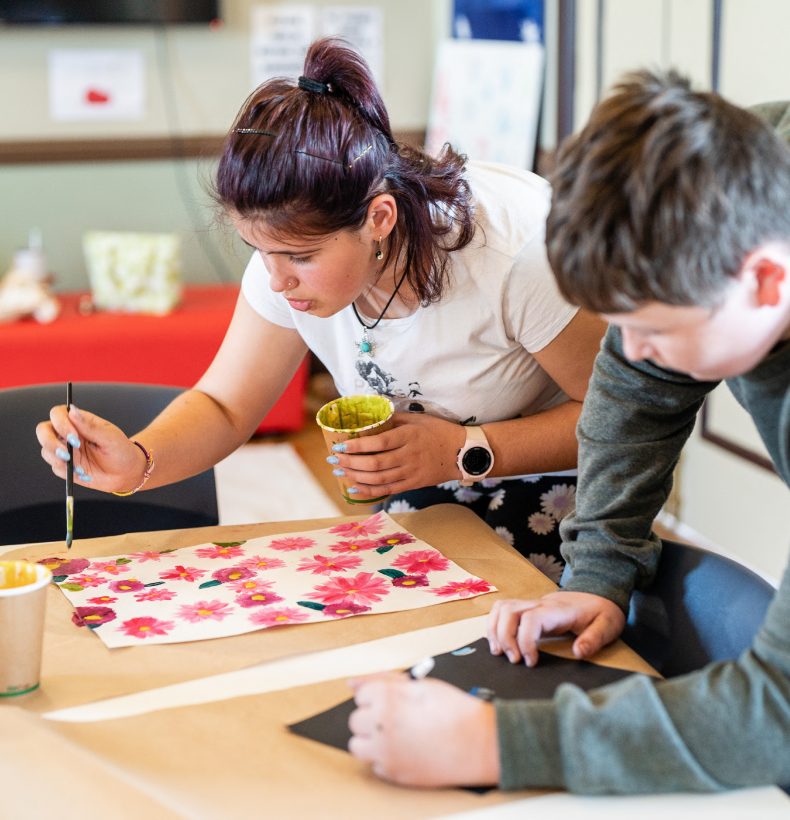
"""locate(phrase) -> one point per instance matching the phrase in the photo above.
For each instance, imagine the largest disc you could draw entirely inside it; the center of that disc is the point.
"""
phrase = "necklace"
(365, 345)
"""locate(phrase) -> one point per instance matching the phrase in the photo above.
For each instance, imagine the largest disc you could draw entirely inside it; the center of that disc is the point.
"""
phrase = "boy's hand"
(515, 627)
(423, 733)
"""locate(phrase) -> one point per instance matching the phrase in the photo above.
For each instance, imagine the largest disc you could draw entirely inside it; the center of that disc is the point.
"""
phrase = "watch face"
(477, 460)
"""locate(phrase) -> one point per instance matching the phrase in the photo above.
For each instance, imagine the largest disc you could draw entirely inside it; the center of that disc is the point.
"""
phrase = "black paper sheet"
(474, 668)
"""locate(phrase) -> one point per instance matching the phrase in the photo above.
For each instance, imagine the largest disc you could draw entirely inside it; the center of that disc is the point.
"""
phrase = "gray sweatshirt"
(725, 726)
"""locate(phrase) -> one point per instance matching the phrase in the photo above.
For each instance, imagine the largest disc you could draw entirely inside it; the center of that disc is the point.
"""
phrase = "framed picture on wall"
(726, 424)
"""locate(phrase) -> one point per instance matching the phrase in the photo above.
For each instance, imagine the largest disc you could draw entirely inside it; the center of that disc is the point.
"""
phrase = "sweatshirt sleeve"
(634, 423)
(725, 726)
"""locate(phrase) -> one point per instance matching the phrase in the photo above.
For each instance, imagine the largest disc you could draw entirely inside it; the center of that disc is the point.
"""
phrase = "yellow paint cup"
(23, 598)
(352, 417)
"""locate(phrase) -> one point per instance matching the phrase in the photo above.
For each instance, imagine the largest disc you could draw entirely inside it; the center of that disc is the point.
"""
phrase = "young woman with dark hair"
(422, 278)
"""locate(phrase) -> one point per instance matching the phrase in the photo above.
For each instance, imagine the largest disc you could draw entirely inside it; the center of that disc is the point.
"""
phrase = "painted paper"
(218, 589)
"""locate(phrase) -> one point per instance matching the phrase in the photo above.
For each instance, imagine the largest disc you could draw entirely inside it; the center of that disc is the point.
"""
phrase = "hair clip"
(360, 155)
(306, 84)
(255, 131)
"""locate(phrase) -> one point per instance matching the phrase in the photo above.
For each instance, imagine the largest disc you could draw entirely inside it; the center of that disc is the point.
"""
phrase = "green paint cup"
(351, 417)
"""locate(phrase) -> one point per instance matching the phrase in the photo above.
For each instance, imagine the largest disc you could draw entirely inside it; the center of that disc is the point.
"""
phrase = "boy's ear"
(769, 275)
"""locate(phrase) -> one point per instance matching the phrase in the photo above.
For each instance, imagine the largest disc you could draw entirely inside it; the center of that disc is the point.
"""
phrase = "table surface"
(198, 730)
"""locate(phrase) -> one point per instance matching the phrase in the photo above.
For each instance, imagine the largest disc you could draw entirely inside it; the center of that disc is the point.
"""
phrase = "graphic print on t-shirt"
(411, 400)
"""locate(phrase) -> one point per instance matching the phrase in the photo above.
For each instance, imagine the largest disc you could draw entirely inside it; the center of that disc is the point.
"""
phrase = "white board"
(486, 100)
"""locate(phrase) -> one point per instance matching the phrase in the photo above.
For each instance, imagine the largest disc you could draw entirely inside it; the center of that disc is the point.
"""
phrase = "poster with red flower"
(229, 588)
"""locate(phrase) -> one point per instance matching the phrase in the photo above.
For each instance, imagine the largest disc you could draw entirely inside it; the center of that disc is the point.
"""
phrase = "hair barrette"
(317, 87)
(260, 131)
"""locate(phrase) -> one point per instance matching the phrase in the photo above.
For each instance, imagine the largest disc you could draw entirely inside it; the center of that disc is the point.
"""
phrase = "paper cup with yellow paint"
(23, 599)
(352, 417)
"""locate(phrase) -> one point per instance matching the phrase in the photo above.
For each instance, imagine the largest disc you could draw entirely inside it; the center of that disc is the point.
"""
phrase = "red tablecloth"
(173, 349)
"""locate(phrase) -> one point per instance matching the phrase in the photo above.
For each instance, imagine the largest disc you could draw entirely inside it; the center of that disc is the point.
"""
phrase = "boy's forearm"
(635, 421)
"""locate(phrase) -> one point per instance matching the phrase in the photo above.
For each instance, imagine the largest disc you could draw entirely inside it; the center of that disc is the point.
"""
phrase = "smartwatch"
(476, 458)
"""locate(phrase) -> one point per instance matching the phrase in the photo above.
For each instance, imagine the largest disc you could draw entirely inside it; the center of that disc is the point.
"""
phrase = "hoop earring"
(379, 252)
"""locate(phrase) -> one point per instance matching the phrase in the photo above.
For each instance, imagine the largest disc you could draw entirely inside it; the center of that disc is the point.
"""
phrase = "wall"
(737, 507)
(741, 508)
(196, 80)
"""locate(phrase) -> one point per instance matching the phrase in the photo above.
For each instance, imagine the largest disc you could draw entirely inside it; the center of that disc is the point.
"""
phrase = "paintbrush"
(69, 481)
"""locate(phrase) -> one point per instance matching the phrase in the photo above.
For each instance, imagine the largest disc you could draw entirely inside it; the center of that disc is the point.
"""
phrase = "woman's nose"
(279, 279)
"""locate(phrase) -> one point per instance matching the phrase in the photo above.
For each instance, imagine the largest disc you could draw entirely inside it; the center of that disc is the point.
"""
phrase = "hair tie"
(306, 84)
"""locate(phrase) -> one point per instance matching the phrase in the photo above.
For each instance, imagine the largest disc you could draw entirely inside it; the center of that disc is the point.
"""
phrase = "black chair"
(32, 499)
(702, 607)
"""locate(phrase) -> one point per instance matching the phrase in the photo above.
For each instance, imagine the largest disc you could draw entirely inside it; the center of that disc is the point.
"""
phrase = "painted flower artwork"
(221, 589)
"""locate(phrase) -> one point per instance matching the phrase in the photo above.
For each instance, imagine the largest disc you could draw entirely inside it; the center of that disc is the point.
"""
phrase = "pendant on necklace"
(365, 344)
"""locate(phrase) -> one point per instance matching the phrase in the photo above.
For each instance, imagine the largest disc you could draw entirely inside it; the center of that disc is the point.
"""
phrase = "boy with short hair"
(671, 217)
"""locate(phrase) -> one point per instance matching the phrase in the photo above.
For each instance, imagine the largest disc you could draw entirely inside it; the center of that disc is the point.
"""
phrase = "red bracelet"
(149, 468)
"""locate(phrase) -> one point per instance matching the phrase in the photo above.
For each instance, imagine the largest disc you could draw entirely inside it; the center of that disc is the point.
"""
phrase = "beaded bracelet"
(149, 468)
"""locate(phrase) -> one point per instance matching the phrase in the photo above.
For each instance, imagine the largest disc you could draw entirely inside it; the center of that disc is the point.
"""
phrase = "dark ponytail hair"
(309, 157)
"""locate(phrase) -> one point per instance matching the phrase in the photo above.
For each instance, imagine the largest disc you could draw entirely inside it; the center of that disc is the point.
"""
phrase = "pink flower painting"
(64, 566)
(109, 567)
(180, 573)
(232, 574)
(464, 589)
(292, 542)
(281, 616)
(396, 539)
(146, 555)
(362, 589)
(249, 585)
(410, 581)
(146, 627)
(344, 610)
(87, 580)
(421, 561)
(204, 611)
(370, 526)
(220, 551)
(357, 545)
(219, 589)
(326, 565)
(126, 585)
(92, 616)
(258, 597)
(155, 594)
(260, 563)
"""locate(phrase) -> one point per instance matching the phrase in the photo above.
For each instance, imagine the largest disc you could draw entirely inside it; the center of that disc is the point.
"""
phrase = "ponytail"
(309, 156)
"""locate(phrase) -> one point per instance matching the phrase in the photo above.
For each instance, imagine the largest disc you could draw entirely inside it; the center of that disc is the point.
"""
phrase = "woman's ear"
(382, 215)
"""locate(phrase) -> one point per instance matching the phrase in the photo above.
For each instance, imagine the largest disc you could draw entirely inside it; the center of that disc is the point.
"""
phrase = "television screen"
(62, 12)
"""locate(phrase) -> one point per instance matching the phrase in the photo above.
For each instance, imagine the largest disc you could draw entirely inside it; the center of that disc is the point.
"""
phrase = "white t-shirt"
(467, 357)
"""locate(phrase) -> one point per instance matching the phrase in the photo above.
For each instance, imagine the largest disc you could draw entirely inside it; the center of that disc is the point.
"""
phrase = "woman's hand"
(515, 627)
(104, 458)
(423, 733)
(419, 451)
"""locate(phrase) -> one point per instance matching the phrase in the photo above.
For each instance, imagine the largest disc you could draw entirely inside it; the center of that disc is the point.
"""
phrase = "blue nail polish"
(73, 440)
(79, 470)
(333, 460)
(352, 490)
(339, 448)
(339, 471)
(62, 454)
(86, 477)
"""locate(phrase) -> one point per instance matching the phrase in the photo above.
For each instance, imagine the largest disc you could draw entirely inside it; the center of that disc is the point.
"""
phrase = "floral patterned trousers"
(524, 512)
